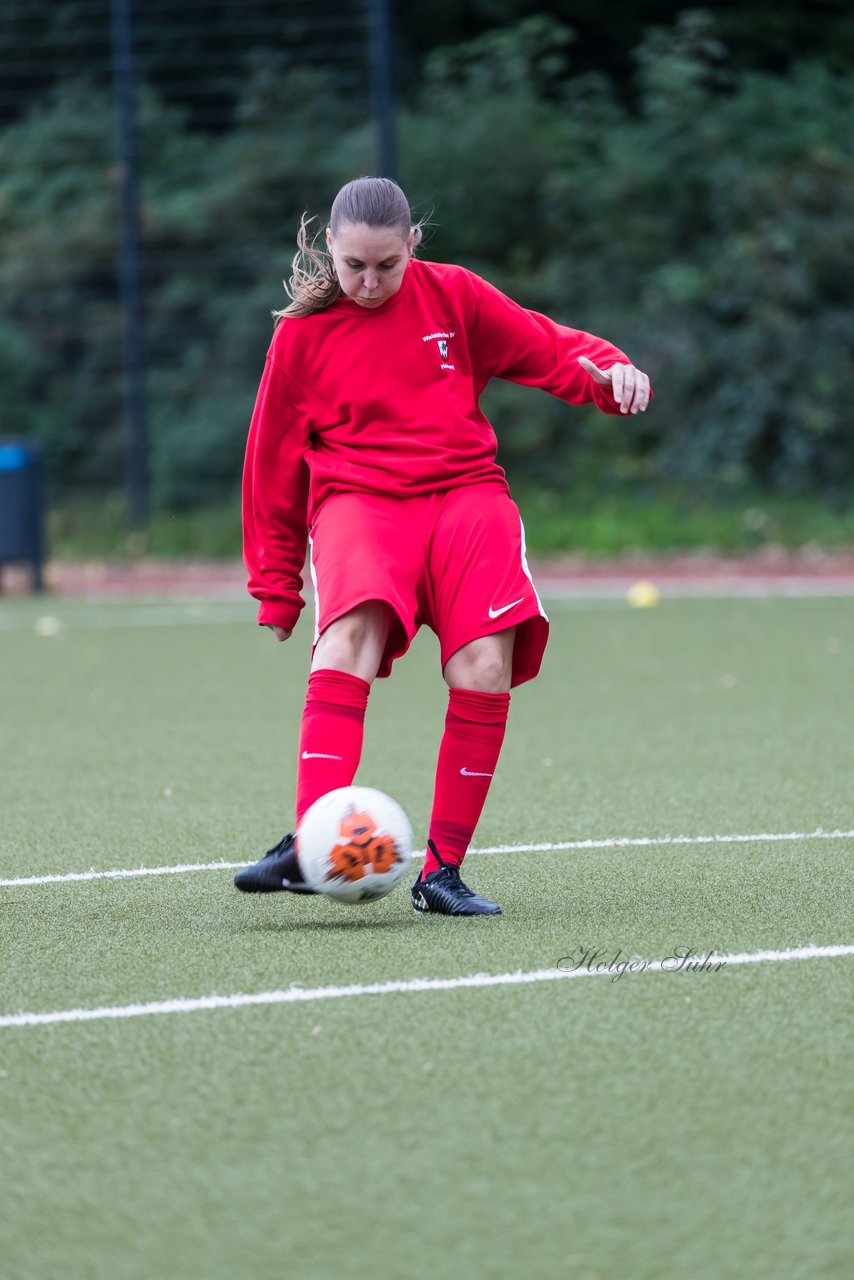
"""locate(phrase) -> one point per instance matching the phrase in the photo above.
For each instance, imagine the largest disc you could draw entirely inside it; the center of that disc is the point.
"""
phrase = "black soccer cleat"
(443, 893)
(277, 870)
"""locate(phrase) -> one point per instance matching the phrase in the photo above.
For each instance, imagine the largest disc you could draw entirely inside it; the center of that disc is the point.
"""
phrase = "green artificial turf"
(661, 1125)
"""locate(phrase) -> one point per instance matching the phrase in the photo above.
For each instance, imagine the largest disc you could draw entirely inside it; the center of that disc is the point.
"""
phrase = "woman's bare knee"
(355, 642)
(485, 665)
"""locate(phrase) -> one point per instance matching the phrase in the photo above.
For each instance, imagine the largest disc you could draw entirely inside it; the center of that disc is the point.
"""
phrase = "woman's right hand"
(279, 632)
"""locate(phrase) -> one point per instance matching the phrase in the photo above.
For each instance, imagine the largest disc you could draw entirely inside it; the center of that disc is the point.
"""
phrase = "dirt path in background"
(771, 571)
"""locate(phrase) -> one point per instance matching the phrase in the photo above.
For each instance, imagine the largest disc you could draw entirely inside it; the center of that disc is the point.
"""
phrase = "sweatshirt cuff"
(279, 613)
(603, 398)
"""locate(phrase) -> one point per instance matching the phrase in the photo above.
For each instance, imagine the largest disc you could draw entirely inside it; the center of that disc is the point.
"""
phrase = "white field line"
(302, 995)
(627, 842)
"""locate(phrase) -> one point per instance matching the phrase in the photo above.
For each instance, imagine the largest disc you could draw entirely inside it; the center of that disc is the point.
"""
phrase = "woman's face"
(370, 261)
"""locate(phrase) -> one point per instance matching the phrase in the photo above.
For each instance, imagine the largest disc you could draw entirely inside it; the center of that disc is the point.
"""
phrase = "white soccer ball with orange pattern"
(354, 844)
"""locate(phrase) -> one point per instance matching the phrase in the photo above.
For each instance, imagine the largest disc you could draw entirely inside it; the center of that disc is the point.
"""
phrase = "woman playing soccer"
(367, 440)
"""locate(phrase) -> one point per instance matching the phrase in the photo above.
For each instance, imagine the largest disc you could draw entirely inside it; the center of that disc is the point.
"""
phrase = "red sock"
(468, 754)
(330, 741)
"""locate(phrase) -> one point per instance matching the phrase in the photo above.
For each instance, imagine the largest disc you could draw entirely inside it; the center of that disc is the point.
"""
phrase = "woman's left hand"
(629, 386)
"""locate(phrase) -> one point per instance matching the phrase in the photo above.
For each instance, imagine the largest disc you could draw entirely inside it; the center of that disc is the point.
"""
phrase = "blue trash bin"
(21, 515)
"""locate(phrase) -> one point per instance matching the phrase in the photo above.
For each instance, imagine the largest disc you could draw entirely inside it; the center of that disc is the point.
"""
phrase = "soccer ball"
(354, 844)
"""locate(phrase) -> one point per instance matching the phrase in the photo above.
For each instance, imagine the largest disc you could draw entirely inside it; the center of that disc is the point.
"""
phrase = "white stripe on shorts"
(528, 571)
(313, 573)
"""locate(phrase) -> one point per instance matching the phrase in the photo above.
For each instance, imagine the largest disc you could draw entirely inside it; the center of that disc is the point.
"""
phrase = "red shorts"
(453, 561)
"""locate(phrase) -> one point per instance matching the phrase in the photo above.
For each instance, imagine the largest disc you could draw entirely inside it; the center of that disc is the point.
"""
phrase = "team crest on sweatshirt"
(441, 339)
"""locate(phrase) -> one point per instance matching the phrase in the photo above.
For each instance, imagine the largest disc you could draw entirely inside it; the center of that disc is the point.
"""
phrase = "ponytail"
(313, 285)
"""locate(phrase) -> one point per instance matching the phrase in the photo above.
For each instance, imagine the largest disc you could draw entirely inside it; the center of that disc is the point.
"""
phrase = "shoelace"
(281, 847)
(451, 872)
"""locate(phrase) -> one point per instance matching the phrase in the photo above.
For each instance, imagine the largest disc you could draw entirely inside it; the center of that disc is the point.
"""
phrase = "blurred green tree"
(710, 233)
(707, 226)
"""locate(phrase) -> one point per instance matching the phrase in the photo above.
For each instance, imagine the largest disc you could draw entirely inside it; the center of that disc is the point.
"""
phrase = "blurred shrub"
(708, 230)
(709, 234)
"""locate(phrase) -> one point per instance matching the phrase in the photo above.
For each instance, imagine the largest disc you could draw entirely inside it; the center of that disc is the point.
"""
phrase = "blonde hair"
(369, 202)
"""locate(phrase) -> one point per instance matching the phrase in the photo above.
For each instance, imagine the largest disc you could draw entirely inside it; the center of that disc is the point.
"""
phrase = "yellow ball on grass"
(643, 595)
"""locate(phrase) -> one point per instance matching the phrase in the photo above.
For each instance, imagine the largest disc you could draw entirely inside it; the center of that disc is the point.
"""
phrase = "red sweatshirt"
(385, 400)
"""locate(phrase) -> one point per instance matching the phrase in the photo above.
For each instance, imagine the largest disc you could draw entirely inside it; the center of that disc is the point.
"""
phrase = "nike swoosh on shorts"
(496, 613)
(319, 755)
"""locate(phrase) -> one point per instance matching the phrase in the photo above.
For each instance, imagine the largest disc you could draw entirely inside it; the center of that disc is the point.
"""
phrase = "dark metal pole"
(136, 426)
(382, 87)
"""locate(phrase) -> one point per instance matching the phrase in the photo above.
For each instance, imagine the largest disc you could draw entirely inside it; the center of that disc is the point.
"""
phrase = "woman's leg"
(478, 676)
(331, 732)
(355, 642)
(485, 664)
(345, 662)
